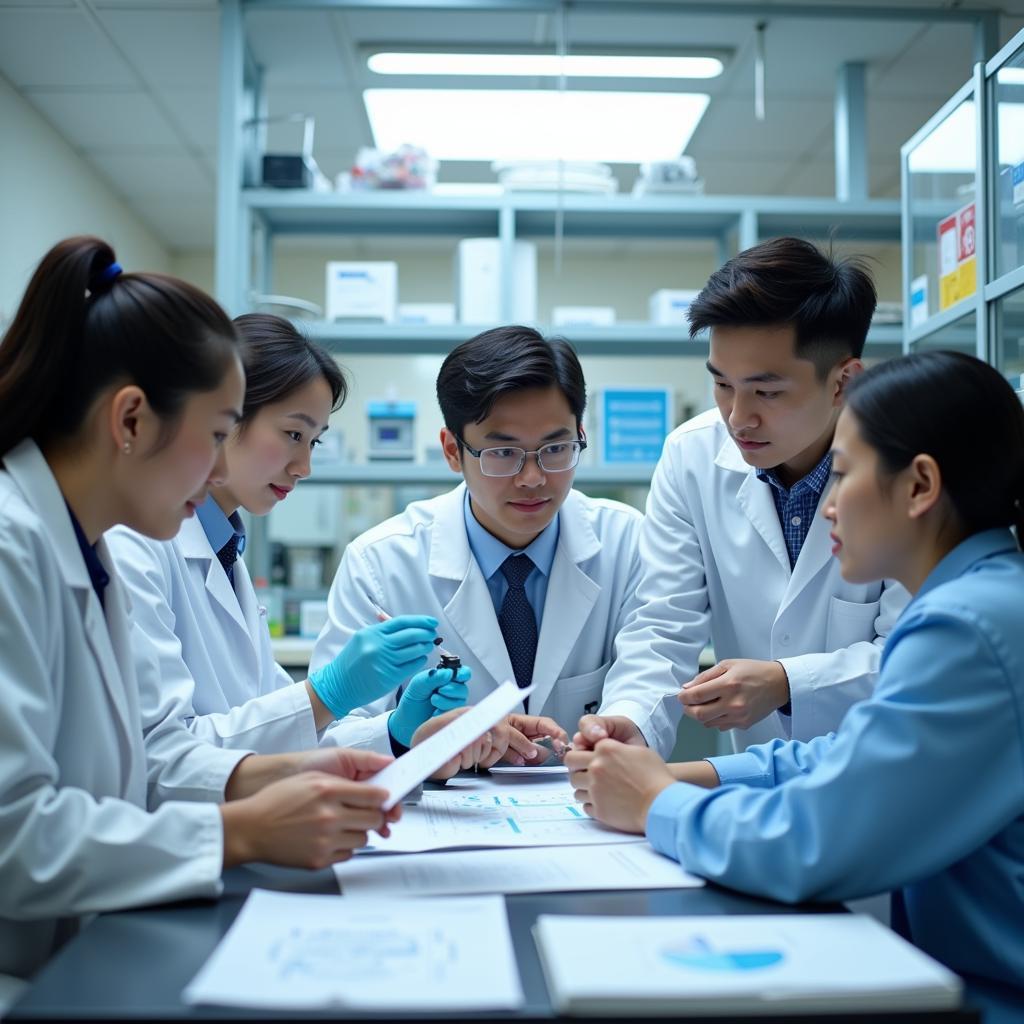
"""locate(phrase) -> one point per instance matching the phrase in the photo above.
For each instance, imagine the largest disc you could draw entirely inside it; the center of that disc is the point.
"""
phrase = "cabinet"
(963, 219)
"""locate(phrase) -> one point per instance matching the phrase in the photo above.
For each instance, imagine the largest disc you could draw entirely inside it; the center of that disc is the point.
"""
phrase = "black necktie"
(227, 555)
(517, 620)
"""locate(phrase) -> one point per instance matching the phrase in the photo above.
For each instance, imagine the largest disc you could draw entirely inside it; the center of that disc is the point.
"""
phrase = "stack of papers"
(736, 964)
(288, 951)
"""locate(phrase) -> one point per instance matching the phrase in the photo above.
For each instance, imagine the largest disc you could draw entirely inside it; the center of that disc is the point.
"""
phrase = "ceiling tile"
(46, 47)
(169, 47)
(99, 120)
(196, 113)
(296, 48)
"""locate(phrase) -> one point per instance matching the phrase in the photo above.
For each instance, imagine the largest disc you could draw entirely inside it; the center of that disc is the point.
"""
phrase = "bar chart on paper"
(545, 815)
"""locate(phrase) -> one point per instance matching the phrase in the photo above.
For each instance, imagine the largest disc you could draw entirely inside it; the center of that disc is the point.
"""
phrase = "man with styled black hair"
(733, 549)
(529, 579)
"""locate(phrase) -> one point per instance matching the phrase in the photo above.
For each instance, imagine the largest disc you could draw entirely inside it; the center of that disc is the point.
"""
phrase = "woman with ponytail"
(117, 392)
(194, 601)
(921, 789)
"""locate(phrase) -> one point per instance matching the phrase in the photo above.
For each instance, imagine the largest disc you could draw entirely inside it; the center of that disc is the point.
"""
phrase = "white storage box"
(478, 281)
(582, 316)
(669, 306)
(362, 291)
(426, 313)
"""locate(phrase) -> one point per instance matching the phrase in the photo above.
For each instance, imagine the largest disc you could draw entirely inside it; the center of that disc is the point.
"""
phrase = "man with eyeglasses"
(529, 579)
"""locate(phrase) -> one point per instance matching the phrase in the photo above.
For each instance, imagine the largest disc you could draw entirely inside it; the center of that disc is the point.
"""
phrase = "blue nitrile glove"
(427, 694)
(374, 662)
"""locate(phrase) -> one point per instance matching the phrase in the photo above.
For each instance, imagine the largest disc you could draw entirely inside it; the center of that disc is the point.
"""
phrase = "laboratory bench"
(133, 965)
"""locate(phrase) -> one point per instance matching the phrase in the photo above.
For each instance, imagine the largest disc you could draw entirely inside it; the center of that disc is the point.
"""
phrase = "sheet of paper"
(524, 815)
(407, 772)
(297, 951)
(526, 771)
(541, 869)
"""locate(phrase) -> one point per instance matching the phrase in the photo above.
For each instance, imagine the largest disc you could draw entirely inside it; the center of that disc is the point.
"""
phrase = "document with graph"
(526, 815)
(298, 951)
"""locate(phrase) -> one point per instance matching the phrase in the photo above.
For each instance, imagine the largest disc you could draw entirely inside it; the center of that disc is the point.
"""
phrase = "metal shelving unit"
(986, 321)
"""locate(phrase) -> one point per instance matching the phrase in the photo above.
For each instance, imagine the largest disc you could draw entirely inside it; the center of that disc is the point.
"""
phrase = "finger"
(591, 730)
(403, 622)
(358, 794)
(700, 694)
(361, 818)
(524, 747)
(350, 840)
(404, 653)
(709, 673)
(454, 691)
(464, 674)
(442, 703)
(578, 760)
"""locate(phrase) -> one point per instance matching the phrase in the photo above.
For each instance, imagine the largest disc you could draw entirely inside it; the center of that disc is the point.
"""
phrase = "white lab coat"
(76, 836)
(217, 670)
(420, 562)
(716, 567)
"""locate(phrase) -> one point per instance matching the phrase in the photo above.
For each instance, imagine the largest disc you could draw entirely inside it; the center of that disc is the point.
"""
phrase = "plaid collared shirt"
(796, 505)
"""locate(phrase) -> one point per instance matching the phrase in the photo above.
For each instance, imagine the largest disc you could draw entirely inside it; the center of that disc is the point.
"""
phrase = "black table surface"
(133, 965)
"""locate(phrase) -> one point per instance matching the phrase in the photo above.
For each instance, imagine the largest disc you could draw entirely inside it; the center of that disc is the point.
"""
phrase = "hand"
(594, 728)
(428, 694)
(735, 693)
(376, 659)
(617, 783)
(523, 730)
(482, 752)
(310, 820)
(345, 762)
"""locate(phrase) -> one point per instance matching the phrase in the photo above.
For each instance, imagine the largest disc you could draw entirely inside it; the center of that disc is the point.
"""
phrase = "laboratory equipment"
(392, 429)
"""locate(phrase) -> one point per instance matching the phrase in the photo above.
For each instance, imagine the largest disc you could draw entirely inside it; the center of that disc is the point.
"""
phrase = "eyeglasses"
(557, 457)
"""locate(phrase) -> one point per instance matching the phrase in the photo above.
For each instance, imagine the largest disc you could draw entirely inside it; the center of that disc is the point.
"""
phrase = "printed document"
(298, 951)
(541, 869)
(545, 814)
(405, 774)
(772, 963)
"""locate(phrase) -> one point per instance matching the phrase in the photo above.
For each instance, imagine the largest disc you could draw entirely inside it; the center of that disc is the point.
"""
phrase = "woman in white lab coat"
(116, 394)
(194, 601)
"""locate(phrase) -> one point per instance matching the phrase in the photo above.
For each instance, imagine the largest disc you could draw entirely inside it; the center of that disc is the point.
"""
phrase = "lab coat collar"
(195, 545)
(107, 629)
(974, 549)
(31, 472)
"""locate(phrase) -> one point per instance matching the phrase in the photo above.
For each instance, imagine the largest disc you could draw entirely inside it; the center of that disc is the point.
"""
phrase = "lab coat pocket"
(850, 622)
(575, 696)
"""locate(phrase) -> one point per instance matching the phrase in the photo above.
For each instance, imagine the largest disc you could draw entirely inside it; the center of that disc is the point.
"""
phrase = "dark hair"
(278, 360)
(82, 325)
(500, 362)
(787, 281)
(964, 414)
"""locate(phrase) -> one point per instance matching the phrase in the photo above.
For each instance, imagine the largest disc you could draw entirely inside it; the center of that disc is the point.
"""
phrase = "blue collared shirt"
(490, 553)
(922, 787)
(98, 576)
(219, 527)
(797, 505)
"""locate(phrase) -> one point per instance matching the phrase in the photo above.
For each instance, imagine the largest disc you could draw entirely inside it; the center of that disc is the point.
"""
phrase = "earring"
(127, 448)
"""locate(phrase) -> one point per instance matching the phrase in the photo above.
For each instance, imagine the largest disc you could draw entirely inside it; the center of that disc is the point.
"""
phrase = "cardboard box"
(362, 291)
(669, 306)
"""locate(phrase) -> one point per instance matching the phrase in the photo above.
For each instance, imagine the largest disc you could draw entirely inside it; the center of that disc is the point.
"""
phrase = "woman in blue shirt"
(922, 787)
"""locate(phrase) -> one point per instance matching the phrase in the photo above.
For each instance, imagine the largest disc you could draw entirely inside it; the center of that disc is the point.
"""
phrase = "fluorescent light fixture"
(1010, 76)
(951, 147)
(543, 65)
(535, 124)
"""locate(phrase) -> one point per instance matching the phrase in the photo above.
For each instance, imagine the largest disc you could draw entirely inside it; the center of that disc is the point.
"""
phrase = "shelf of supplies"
(297, 211)
(401, 474)
(640, 339)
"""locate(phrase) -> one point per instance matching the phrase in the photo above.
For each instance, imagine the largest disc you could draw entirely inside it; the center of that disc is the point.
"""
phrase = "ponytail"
(83, 325)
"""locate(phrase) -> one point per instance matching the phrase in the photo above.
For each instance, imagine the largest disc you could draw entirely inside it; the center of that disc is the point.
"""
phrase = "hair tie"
(109, 273)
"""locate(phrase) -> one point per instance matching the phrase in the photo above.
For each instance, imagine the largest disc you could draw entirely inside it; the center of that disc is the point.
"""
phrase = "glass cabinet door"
(1008, 194)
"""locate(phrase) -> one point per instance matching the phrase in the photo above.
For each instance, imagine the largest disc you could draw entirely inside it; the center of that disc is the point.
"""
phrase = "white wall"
(48, 192)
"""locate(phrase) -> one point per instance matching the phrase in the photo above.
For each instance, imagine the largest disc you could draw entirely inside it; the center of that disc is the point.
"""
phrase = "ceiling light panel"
(543, 65)
(535, 124)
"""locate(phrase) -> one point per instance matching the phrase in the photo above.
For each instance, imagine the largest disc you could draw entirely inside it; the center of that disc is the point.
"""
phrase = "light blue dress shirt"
(219, 527)
(922, 788)
(490, 553)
